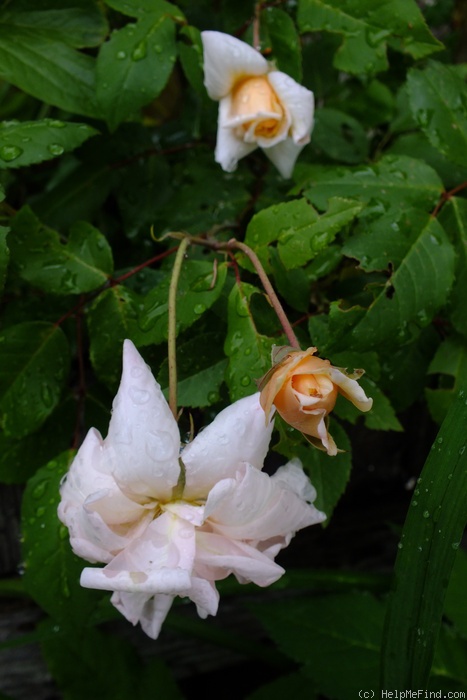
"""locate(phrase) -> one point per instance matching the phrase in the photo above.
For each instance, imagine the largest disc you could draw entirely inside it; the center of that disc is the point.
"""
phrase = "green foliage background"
(106, 146)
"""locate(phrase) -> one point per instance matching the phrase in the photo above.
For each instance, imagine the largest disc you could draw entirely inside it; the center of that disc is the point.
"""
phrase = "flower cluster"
(258, 105)
(304, 389)
(167, 523)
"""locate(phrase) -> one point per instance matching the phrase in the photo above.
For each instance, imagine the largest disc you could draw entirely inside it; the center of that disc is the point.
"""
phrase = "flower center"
(254, 97)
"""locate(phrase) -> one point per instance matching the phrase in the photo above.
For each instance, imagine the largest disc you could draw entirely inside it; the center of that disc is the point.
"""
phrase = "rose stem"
(172, 325)
(256, 33)
(268, 288)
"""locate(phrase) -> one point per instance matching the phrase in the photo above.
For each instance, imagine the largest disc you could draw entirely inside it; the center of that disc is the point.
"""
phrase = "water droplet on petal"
(139, 396)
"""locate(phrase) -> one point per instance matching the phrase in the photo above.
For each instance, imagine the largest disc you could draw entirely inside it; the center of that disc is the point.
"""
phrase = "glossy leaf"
(134, 65)
(448, 373)
(51, 569)
(326, 633)
(394, 183)
(144, 7)
(201, 366)
(34, 363)
(414, 293)
(4, 255)
(298, 229)
(429, 542)
(24, 143)
(79, 23)
(453, 217)
(285, 42)
(438, 98)
(368, 30)
(200, 285)
(248, 351)
(49, 70)
(83, 263)
(110, 319)
(339, 136)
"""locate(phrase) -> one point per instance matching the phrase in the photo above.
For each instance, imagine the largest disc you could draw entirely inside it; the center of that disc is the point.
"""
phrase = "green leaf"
(339, 136)
(438, 99)
(450, 367)
(453, 217)
(382, 415)
(4, 256)
(49, 70)
(328, 475)
(80, 265)
(34, 363)
(134, 66)
(76, 196)
(285, 42)
(449, 670)
(383, 242)
(429, 542)
(326, 633)
(88, 663)
(191, 57)
(300, 232)
(144, 7)
(201, 367)
(199, 286)
(21, 458)
(24, 143)
(111, 318)
(394, 183)
(413, 294)
(248, 351)
(79, 23)
(51, 569)
(367, 29)
(455, 602)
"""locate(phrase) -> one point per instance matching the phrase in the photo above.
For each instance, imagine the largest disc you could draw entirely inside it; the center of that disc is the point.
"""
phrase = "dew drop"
(39, 490)
(140, 51)
(139, 396)
(46, 395)
(136, 372)
(57, 123)
(40, 511)
(426, 513)
(56, 149)
(121, 55)
(199, 309)
(9, 153)
(213, 396)
(399, 545)
(245, 381)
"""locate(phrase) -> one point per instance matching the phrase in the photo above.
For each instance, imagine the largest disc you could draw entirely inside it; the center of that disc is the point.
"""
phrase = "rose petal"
(351, 389)
(284, 155)
(143, 440)
(237, 434)
(229, 148)
(300, 104)
(150, 611)
(256, 507)
(227, 60)
(160, 561)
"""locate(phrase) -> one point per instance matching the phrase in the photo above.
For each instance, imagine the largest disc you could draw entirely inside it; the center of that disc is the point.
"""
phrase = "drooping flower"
(258, 105)
(170, 524)
(304, 389)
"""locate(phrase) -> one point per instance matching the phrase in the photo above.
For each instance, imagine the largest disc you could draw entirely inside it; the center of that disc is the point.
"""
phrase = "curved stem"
(233, 244)
(172, 325)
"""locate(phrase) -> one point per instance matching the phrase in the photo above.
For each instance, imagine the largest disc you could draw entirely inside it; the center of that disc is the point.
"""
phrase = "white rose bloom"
(258, 105)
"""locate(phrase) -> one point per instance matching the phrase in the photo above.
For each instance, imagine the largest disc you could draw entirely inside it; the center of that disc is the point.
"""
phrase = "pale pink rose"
(163, 534)
(258, 105)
